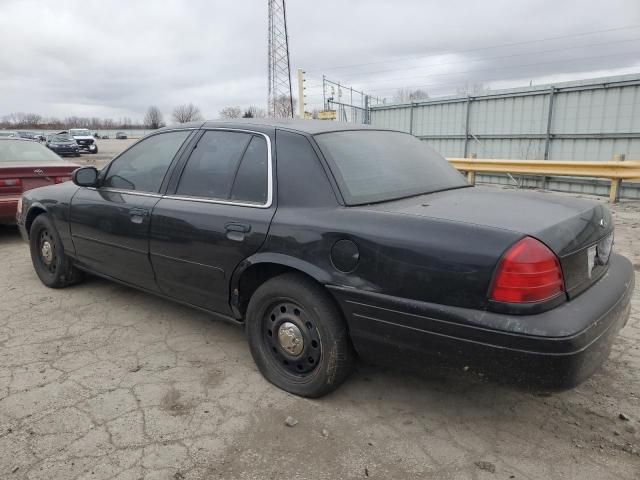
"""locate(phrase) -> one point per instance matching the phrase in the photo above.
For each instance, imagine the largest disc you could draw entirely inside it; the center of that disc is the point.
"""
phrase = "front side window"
(227, 165)
(377, 165)
(143, 166)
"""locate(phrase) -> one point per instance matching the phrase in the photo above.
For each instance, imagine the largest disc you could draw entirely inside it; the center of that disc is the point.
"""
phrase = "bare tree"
(282, 107)
(34, 120)
(153, 118)
(186, 113)
(22, 120)
(254, 112)
(230, 112)
(472, 89)
(403, 95)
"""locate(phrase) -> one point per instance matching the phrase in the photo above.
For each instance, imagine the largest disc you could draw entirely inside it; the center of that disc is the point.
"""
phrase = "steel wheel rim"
(47, 251)
(291, 338)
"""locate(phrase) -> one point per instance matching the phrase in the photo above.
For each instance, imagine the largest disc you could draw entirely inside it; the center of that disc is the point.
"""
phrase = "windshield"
(374, 165)
(23, 151)
(61, 138)
(80, 132)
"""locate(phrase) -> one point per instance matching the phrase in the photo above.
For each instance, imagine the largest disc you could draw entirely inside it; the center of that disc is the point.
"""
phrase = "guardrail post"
(614, 189)
(466, 126)
(471, 175)
(411, 119)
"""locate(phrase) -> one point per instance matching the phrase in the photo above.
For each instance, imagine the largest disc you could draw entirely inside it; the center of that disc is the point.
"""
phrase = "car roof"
(311, 127)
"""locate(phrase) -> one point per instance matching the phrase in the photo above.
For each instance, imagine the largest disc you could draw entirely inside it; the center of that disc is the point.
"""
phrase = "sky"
(115, 58)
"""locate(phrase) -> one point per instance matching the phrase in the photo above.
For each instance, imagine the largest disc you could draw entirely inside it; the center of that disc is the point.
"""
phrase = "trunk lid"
(33, 174)
(571, 227)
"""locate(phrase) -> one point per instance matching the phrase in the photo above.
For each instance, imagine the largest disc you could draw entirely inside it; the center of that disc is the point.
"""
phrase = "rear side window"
(250, 184)
(227, 166)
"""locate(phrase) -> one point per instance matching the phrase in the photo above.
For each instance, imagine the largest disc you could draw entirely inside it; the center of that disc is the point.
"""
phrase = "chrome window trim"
(220, 202)
(189, 198)
(128, 192)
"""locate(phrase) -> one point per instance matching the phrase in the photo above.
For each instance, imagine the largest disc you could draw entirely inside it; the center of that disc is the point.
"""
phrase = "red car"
(25, 164)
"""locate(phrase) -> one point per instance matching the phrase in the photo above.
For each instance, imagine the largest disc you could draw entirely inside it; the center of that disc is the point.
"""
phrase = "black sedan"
(63, 145)
(325, 239)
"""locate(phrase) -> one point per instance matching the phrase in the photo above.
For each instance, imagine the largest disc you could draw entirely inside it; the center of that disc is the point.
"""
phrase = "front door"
(110, 224)
(218, 215)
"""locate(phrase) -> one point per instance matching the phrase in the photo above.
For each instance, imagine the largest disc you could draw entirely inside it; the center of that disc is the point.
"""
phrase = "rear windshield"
(374, 166)
(25, 151)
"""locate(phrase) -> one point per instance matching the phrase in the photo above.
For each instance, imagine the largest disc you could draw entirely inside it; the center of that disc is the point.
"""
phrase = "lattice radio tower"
(280, 100)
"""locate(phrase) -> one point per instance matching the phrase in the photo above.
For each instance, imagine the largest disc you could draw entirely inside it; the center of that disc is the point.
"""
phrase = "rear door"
(110, 224)
(216, 214)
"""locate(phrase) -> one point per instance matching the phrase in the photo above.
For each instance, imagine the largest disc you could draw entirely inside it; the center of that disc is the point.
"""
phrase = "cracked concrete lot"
(99, 381)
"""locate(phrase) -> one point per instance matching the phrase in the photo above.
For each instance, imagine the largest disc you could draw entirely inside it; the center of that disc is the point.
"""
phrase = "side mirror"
(86, 177)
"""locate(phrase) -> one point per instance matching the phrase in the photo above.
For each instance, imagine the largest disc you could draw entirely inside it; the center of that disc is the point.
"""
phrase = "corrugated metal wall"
(589, 120)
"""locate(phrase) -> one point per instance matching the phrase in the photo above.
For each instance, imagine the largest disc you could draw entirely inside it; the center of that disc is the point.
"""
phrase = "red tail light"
(10, 182)
(62, 179)
(528, 272)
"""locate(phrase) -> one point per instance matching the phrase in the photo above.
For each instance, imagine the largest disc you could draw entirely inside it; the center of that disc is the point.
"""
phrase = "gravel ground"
(101, 381)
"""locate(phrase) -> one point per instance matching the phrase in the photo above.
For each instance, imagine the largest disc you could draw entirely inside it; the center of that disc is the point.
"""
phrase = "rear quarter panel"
(399, 255)
(409, 256)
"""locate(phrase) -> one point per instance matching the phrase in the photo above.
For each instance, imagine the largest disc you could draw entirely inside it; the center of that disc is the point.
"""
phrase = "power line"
(513, 44)
(450, 84)
(496, 68)
(438, 64)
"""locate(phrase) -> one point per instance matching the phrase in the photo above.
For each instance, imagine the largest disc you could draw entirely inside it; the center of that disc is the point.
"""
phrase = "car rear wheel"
(298, 337)
(51, 264)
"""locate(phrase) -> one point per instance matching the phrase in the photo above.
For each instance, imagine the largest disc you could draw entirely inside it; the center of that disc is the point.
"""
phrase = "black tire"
(51, 264)
(327, 356)
(96, 150)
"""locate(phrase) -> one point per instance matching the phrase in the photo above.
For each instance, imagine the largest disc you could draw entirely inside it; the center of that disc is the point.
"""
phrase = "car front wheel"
(298, 337)
(51, 264)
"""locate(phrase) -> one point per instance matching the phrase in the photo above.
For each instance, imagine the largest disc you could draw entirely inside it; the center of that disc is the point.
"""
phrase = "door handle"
(136, 215)
(236, 231)
(237, 227)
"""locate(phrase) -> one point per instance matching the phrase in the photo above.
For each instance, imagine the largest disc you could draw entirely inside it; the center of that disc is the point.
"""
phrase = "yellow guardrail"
(615, 170)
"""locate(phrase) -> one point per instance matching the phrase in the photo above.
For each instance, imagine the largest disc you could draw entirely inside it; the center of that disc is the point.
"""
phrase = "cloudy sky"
(115, 58)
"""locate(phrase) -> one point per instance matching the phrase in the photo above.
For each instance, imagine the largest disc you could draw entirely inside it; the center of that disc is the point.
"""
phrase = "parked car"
(84, 139)
(24, 165)
(325, 239)
(121, 136)
(9, 133)
(105, 137)
(63, 145)
(27, 135)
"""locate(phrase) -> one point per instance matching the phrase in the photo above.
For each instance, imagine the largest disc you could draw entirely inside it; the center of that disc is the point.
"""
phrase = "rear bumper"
(559, 348)
(8, 209)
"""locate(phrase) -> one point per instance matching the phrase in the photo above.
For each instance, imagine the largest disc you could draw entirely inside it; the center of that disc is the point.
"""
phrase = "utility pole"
(301, 93)
(278, 59)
